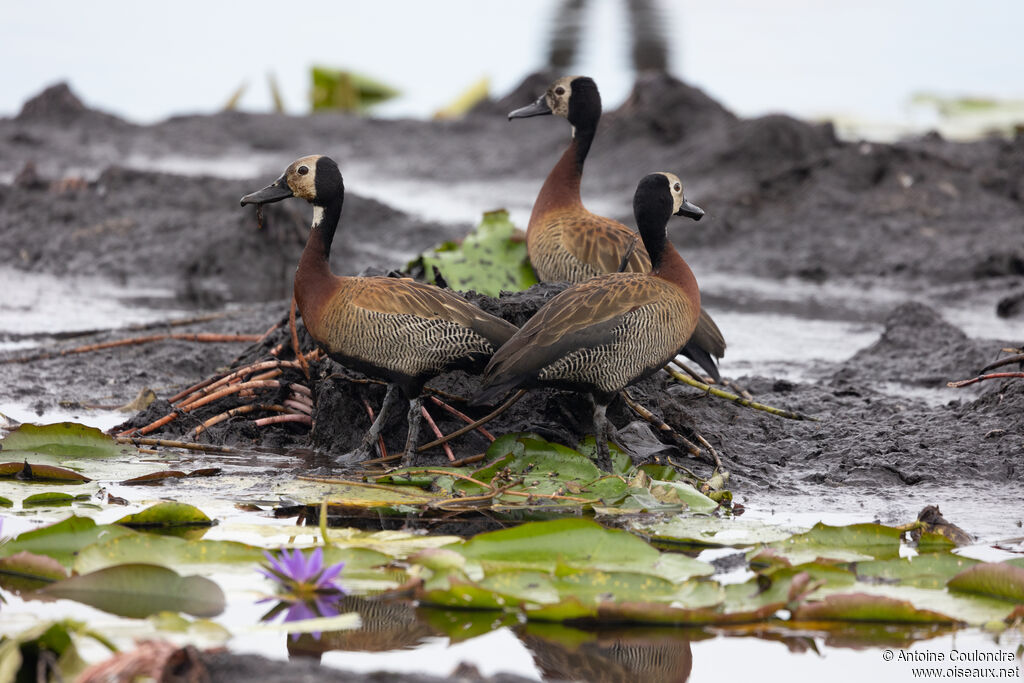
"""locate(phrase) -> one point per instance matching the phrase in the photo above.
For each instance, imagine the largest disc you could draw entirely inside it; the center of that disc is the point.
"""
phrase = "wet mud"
(784, 199)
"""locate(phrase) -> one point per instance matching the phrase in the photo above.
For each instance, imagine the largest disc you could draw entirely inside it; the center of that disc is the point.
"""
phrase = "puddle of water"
(40, 304)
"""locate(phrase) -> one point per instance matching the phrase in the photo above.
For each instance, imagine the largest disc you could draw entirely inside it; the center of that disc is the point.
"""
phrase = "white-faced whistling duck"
(395, 329)
(567, 243)
(603, 334)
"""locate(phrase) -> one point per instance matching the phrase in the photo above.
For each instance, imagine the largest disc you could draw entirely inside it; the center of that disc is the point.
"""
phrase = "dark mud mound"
(667, 110)
(918, 348)
(190, 231)
(57, 105)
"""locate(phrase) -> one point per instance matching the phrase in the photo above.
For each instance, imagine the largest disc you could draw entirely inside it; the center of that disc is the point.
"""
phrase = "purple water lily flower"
(306, 588)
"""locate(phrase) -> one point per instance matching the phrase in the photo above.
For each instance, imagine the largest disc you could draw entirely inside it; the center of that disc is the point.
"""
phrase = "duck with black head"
(568, 243)
(610, 331)
(396, 329)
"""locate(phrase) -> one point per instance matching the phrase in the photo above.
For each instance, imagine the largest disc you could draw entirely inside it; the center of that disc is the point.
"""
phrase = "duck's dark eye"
(559, 91)
(303, 170)
(677, 187)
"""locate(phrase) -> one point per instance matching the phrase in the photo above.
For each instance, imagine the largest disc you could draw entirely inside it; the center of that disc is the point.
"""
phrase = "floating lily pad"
(24, 471)
(141, 590)
(63, 440)
(867, 607)
(62, 540)
(924, 571)
(994, 579)
(167, 515)
(849, 543)
(25, 571)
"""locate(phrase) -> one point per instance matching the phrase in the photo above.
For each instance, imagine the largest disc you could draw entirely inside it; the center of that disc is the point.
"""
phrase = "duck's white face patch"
(675, 186)
(301, 177)
(558, 95)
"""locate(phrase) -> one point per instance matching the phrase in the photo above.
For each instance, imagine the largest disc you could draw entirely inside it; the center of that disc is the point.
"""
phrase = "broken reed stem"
(170, 443)
(303, 389)
(659, 424)
(459, 476)
(473, 425)
(193, 337)
(1019, 358)
(295, 340)
(437, 432)
(287, 417)
(468, 460)
(462, 416)
(240, 410)
(714, 453)
(788, 414)
(982, 378)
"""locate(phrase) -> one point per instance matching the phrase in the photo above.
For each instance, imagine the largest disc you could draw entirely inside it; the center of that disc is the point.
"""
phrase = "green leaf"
(576, 543)
(141, 590)
(23, 572)
(52, 498)
(867, 607)
(339, 90)
(924, 571)
(710, 532)
(847, 543)
(64, 440)
(166, 515)
(16, 470)
(996, 579)
(6, 502)
(489, 260)
(170, 550)
(62, 540)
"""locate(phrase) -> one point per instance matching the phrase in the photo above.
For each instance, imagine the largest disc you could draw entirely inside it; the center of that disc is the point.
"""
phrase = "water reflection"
(560, 652)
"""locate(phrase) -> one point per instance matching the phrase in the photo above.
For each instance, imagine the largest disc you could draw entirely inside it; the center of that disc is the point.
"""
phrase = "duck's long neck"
(666, 262)
(314, 265)
(673, 268)
(562, 187)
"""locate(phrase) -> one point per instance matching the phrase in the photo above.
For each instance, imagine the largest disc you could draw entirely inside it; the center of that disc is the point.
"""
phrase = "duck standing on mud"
(395, 329)
(568, 243)
(613, 330)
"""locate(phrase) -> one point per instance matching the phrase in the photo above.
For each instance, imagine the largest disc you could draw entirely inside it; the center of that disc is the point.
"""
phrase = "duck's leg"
(415, 420)
(369, 441)
(601, 431)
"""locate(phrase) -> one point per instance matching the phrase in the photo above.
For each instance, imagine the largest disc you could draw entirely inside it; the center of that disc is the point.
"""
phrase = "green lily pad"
(846, 543)
(166, 515)
(576, 543)
(141, 590)
(62, 440)
(924, 571)
(23, 572)
(17, 471)
(995, 579)
(63, 540)
(489, 260)
(867, 607)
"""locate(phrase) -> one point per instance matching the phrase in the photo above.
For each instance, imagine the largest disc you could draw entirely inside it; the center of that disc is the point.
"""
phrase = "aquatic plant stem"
(660, 425)
(982, 378)
(204, 337)
(473, 425)
(437, 432)
(788, 414)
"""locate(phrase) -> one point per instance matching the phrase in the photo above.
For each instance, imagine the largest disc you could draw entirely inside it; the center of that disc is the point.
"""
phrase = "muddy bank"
(784, 198)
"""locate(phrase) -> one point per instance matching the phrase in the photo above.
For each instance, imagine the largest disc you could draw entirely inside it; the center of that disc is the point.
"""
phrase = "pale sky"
(147, 61)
